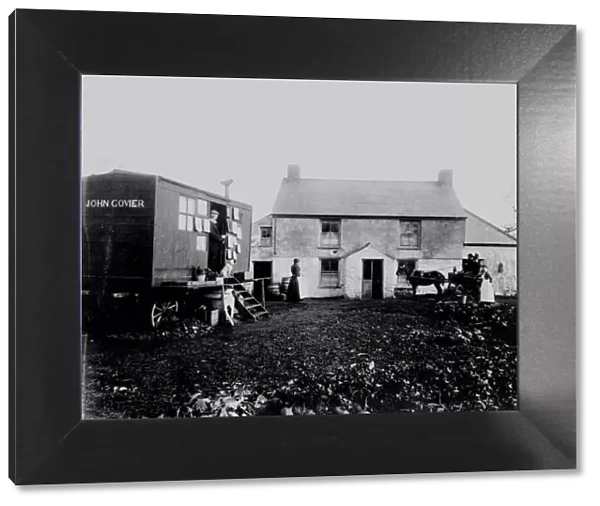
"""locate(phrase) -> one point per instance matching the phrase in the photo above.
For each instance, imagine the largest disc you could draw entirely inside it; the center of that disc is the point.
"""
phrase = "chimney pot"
(227, 183)
(293, 172)
(445, 177)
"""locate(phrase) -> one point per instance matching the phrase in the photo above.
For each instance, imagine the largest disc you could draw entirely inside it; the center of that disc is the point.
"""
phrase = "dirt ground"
(317, 357)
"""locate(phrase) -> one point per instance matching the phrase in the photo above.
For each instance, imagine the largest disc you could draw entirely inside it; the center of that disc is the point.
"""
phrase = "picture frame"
(51, 50)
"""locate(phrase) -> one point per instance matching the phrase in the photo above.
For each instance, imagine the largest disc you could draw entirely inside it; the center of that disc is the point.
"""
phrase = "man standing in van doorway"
(216, 245)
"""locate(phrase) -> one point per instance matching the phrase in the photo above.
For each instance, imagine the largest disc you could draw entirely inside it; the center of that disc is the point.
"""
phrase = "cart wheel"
(162, 309)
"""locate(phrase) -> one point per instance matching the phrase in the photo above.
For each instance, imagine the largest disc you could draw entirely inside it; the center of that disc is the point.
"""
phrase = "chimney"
(445, 178)
(293, 172)
(227, 183)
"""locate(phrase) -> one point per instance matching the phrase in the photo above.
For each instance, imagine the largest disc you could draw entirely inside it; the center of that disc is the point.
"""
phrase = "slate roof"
(480, 231)
(330, 197)
(264, 221)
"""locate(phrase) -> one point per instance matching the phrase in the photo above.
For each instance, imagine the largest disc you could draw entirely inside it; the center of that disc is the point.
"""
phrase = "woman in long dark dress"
(293, 292)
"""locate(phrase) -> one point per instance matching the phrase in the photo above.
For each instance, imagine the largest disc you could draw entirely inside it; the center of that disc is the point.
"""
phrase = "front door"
(372, 279)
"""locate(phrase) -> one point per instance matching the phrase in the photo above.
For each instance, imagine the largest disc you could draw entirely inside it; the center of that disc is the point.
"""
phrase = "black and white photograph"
(285, 247)
(258, 246)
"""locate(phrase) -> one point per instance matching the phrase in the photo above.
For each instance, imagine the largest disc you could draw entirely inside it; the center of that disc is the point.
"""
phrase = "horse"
(418, 278)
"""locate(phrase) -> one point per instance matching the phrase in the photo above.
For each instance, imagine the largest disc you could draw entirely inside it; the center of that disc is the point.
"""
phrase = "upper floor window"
(330, 234)
(410, 234)
(266, 236)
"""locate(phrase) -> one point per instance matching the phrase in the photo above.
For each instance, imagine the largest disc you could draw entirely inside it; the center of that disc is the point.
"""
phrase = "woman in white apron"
(487, 288)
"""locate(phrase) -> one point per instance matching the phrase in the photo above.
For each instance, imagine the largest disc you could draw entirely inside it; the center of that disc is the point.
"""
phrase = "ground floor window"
(330, 273)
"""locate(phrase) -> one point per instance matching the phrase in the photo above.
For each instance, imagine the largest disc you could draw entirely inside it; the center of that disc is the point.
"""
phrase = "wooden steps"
(246, 303)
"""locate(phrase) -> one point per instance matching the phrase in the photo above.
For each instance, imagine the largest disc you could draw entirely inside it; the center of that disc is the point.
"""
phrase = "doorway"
(372, 280)
(261, 269)
(216, 249)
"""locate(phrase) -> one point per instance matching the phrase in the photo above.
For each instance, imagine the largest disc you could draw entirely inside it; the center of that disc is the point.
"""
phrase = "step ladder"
(245, 302)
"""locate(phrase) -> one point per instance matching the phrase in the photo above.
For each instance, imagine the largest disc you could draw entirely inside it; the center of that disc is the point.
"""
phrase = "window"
(182, 221)
(202, 207)
(410, 235)
(189, 210)
(182, 204)
(186, 213)
(201, 243)
(266, 236)
(330, 234)
(330, 273)
(236, 214)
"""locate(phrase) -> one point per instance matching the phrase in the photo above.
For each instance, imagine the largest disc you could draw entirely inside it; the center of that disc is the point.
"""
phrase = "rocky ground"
(318, 357)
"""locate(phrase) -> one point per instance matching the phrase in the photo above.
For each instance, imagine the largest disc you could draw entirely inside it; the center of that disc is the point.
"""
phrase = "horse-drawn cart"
(462, 283)
(465, 284)
(426, 278)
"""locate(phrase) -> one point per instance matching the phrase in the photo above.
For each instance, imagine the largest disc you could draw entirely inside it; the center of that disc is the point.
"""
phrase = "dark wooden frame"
(50, 50)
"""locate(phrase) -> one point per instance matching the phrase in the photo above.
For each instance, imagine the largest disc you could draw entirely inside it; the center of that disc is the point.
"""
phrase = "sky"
(201, 131)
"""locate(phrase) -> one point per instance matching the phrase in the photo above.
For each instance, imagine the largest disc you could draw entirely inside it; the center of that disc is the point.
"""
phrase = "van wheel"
(161, 310)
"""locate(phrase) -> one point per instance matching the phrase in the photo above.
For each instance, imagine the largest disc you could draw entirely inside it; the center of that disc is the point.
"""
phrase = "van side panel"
(177, 247)
(118, 227)
(243, 261)
(177, 250)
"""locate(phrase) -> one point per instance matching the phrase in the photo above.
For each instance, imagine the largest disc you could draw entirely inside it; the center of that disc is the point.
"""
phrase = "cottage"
(497, 248)
(351, 236)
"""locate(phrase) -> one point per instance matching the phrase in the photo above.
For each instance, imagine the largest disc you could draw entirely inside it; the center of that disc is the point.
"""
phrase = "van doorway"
(216, 249)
